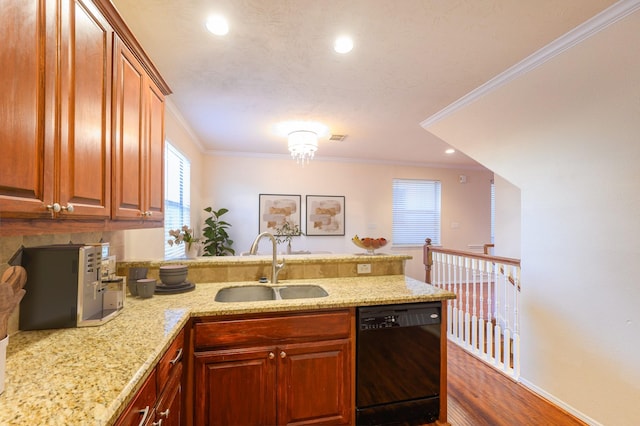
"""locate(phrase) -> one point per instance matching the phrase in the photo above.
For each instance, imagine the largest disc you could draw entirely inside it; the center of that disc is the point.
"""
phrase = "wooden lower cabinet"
(141, 411)
(236, 387)
(305, 378)
(159, 401)
(169, 406)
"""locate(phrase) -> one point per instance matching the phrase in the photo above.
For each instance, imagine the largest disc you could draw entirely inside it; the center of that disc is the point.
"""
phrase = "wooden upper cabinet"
(56, 145)
(81, 120)
(155, 150)
(138, 158)
(26, 181)
(85, 137)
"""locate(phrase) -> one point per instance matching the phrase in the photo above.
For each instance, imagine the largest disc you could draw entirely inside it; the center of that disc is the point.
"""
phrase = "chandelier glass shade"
(303, 144)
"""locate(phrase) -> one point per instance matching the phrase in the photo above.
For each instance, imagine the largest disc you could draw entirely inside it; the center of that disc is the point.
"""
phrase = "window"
(177, 202)
(416, 211)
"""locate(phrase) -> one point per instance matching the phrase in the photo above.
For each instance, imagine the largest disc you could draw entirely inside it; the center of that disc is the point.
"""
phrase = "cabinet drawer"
(169, 360)
(142, 407)
(263, 330)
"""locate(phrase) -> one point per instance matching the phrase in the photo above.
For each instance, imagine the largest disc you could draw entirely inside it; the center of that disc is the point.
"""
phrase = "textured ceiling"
(411, 59)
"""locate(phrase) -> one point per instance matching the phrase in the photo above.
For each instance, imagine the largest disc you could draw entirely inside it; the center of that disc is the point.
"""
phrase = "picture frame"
(275, 209)
(325, 215)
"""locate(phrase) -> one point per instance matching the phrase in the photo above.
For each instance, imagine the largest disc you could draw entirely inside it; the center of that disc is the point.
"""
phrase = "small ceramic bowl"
(146, 287)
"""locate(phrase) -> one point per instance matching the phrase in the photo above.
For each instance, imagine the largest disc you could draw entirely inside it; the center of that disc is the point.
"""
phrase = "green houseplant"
(216, 238)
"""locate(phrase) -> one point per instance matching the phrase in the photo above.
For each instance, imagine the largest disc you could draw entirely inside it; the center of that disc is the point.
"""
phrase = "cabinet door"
(235, 387)
(128, 156)
(85, 108)
(154, 205)
(26, 101)
(314, 383)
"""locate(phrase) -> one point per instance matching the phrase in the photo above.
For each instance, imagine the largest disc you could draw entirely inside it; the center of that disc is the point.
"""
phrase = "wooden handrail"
(428, 249)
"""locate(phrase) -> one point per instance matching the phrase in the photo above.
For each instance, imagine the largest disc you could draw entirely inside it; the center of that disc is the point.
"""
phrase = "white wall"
(508, 217)
(236, 182)
(566, 134)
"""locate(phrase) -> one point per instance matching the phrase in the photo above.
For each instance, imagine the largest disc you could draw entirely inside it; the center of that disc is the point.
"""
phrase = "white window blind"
(416, 211)
(177, 202)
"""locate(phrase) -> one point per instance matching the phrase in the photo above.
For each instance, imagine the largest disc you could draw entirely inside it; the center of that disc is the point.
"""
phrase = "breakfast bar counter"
(87, 376)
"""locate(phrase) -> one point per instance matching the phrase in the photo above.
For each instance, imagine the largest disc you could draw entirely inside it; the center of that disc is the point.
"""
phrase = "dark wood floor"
(478, 395)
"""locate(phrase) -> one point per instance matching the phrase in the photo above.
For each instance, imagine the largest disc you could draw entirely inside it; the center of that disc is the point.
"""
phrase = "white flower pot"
(191, 250)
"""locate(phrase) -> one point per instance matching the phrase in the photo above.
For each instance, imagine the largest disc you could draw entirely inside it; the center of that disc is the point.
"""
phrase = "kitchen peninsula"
(88, 376)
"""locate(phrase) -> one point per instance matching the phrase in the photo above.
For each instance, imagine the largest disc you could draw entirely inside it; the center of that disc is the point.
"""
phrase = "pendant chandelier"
(302, 145)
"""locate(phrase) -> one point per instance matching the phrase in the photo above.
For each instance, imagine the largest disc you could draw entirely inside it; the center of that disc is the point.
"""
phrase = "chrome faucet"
(275, 266)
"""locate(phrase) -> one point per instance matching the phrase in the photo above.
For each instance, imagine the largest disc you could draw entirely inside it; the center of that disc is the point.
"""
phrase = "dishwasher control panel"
(405, 315)
(373, 323)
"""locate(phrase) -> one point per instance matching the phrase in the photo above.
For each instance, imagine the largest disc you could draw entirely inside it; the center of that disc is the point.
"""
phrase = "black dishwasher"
(398, 364)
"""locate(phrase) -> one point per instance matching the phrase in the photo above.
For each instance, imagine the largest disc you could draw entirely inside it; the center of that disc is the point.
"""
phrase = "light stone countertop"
(87, 376)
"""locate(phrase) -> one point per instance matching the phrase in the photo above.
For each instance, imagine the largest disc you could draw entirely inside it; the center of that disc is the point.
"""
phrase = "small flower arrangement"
(185, 234)
(286, 231)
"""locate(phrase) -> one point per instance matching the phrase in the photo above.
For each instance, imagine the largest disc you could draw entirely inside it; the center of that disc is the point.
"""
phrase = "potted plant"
(285, 232)
(185, 235)
(216, 238)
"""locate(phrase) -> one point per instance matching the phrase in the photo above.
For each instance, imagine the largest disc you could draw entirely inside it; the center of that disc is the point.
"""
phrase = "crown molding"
(582, 32)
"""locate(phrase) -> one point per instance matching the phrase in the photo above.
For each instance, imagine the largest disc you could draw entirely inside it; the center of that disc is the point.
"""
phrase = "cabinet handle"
(177, 358)
(164, 414)
(69, 208)
(145, 414)
(283, 354)
(272, 355)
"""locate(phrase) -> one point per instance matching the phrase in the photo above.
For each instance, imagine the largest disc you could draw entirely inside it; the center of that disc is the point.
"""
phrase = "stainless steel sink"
(256, 293)
(301, 291)
(250, 293)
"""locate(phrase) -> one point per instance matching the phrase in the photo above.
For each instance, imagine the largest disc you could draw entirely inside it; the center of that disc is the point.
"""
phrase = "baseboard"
(555, 401)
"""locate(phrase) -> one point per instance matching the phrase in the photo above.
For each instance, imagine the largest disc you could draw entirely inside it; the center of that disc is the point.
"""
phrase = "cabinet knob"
(54, 208)
(283, 354)
(69, 208)
(272, 355)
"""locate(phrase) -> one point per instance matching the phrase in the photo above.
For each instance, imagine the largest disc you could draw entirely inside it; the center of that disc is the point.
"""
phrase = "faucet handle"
(281, 265)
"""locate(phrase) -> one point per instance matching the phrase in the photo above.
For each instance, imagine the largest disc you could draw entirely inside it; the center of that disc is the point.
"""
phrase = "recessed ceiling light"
(343, 44)
(450, 151)
(218, 25)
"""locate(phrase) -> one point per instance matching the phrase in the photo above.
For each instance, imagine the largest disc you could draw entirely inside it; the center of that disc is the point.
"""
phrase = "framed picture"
(325, 215)
(276, 209)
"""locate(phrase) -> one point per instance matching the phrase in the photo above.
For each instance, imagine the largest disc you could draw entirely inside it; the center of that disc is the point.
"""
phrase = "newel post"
(427, 260)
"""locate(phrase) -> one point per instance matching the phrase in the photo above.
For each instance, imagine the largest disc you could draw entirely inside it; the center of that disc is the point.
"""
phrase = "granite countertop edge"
(87, 376)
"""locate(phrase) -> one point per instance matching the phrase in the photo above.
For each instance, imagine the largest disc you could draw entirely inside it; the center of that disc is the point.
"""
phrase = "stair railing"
(484, 317)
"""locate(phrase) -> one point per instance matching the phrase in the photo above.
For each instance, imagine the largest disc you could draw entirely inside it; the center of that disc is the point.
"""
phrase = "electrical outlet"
(364, 268)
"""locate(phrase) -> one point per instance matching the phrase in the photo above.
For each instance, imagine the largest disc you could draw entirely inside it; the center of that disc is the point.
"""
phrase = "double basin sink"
(255, 293)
